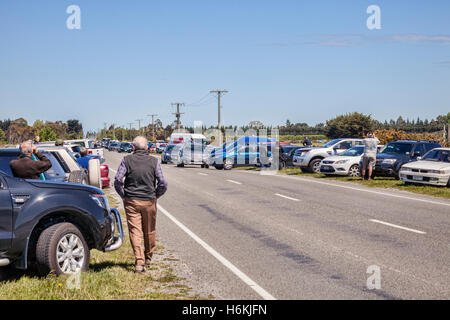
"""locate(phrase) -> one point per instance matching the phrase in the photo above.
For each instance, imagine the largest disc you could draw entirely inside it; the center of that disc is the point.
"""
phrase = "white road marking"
(113, 170)
(353, 188)
(202, 174)
(263, 293)
(280, 195)
(397, 226)
(235, 182)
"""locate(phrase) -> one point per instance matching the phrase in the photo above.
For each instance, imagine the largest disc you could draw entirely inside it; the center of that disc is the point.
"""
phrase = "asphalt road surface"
(250, 236)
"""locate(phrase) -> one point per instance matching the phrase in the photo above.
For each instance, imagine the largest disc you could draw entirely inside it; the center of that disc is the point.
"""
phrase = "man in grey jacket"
(370, 154)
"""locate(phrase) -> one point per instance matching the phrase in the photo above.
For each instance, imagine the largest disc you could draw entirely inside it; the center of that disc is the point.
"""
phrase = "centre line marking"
(202, 174)
(286, 197)
(252, 284)
(235, 182)
(397, 226)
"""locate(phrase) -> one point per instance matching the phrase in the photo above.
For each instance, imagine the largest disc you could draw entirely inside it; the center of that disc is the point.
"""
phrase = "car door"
(5, 216)
(342, 146)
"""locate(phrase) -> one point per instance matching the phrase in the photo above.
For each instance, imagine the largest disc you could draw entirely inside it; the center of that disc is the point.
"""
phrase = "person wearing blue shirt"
(83, 161)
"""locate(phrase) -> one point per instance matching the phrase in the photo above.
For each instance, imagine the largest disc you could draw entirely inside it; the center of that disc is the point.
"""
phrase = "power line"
(196, 103)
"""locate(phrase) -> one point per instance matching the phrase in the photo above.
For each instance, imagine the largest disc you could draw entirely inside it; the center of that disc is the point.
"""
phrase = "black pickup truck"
(54, 225)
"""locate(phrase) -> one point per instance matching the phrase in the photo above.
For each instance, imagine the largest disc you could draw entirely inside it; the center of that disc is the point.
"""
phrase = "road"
(250, 236)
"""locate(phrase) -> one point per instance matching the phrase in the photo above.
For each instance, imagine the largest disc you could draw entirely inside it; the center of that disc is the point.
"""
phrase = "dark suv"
(397, 153)
(54, 225)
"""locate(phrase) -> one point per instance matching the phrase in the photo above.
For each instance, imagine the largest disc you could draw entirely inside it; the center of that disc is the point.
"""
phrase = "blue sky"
(306, 61)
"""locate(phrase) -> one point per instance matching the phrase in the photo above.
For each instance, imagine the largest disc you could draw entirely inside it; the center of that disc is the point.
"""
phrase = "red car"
(104, 173)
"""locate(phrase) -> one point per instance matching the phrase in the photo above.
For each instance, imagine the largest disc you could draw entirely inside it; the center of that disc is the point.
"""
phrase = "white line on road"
(312, 180)
(397, 226)
(202, 174)
(263, 293)
(235, 182)
(280, 195)
(113, 170)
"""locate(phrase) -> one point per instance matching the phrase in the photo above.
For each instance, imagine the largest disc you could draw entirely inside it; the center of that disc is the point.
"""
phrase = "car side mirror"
(417, 154)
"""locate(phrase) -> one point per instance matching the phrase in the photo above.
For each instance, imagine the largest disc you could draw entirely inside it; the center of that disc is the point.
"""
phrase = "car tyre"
(218, 166)
(66, 242)
(314, 165)
(354, 171)
(228, 164)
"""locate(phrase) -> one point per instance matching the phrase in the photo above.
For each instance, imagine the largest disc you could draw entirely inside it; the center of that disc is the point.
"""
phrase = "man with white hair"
(144, 184)
(27, 168)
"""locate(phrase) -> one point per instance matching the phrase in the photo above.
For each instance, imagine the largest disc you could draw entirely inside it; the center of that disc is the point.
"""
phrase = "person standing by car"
(83, 161)
(36, 140)
(59, 143)
(144, 184)
(27, 168)
(307, 142)
(370, 154)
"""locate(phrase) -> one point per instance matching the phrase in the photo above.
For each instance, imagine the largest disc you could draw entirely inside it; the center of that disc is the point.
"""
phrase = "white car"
(433, 168)
(346, 163)
(309, 159)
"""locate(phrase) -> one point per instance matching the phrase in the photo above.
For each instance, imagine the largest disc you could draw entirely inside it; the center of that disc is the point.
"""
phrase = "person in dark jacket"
(307, 142)
(144, 184)
(27, 168)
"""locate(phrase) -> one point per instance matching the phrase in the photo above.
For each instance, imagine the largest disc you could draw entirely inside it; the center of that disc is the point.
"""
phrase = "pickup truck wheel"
(218, 166)
(62, 249)
(448, 183)
(304, 170)
(95, 177)
(314, 165)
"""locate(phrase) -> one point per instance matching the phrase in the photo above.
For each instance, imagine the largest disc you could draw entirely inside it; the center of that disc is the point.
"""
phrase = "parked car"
(243, 152)
(181, 137)
(190, 153)
(89, 144)
(54, 225)
(346, 163)
(114, 146)
(160, 148)
(152, 147)
(309, 159)
(433, 168)
(286, 155)
(166, 155)
(126, 147)
(398, 153)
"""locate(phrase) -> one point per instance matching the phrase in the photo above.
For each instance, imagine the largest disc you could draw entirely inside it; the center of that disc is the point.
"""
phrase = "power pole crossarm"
(178, 113)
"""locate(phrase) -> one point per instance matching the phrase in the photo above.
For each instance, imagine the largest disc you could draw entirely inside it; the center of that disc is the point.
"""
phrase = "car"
(89, 144)
(433, 168)
(181, 137)
(166, 154)
(53, 226)
(309, 158)
(190, 154)
(397, 153)
(244, 151)
(286, 155)
(126, 147)
(346, 163)
(114, 146)
(152, 147)
(160, 148)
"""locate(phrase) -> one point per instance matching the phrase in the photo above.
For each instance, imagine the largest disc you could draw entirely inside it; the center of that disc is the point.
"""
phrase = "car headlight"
(437, 171)
(389, 161)
(341, 161)
(100, 200)
(406, 169)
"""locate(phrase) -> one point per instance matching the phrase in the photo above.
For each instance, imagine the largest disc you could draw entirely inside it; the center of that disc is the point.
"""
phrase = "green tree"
(2, 135)
(47, 134)
(351, 125)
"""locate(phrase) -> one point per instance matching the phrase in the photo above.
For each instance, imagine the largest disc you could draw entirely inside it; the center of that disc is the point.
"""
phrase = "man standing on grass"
(144, 184)
(370, 154)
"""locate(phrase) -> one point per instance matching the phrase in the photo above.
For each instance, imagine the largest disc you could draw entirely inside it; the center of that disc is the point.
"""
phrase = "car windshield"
(91, 144)
(331, 143)
(353, 152)
(438, 155)
(125, 144)
(169, 148)
(397, 148)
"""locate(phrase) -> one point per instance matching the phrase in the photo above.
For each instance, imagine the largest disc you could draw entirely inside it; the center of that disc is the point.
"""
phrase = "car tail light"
(89, 151)
(104, 170)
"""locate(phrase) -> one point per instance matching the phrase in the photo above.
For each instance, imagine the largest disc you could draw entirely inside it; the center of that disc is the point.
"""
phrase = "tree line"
(18, 130)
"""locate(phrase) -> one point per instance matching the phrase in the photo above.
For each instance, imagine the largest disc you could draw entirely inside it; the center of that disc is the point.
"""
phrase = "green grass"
(378, 182)
(110, 276)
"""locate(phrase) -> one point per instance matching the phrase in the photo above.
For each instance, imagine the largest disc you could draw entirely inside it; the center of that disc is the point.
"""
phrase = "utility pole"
(178, 113)
(139, 122)
(114, 130)
(153, 125)
(219, 94)
(129, 132)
